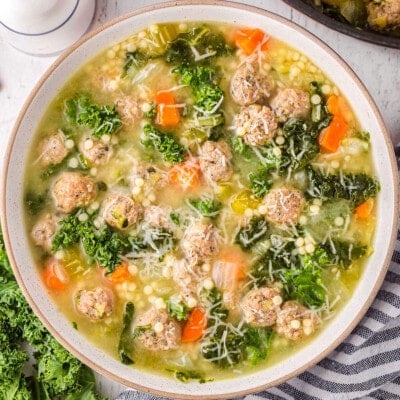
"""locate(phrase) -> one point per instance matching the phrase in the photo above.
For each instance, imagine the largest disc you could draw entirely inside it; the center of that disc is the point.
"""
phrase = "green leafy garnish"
(204, 84)
(206, 206)
(260, 182)
(252, 233)
(185, 375)
(306, 285)
(175, 218)
(165, 143)
(35, 202)
(102, 245)
(320, 115)
(343, 253)
(80, 111)
(57, 375)
(182, 50)
(134, 60)
(125, 339)
(177, 309)
(356, 188)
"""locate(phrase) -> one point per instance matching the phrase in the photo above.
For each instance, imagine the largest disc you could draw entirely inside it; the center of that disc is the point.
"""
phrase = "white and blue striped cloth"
(366, 366)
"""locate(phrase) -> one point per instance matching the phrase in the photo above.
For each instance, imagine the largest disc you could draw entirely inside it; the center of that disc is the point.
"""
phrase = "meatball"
(291, 103)
(199, 242)
(384, 14)
(95, 304)
(145, 176)
(256, 124)
(188, 277)
(52, 149)
(283, 206)
(120, 211)
(249, 85)
(129, 109)
(260, 306)
(160, 331)
(95, 151)
(73, 190)
(44, 230)
(295, 321)
(157, 217)
(215, 161)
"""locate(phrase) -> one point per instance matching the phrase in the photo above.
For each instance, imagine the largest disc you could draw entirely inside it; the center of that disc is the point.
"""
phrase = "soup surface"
(200, 200)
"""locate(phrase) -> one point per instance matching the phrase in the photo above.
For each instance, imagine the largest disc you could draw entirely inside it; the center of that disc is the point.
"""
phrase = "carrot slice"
(329, 139)
(249, 39)
(119, 275)
(337, 105)
(363, 211)
(54, 275)
(228, 269)
(186, 174)
(195, 325)
(167, 113)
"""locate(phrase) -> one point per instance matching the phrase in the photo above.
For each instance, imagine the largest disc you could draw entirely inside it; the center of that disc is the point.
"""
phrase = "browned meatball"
(260, 306)
(73, 190)
(157, 217)
(291, 103)
(161, 332)
(249, 85)
(188, 277)
(120, 211)
(95, 151)
(52, 149)
(95, 304)
(256, 124)
(44, 230)
(384, 14)
(129, 109)
(199, 242)
(215, 161)
(295, 321)
(283, 206)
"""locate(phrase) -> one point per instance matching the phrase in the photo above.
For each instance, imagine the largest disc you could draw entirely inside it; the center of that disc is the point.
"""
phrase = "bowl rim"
(368, 36)
(187, 3)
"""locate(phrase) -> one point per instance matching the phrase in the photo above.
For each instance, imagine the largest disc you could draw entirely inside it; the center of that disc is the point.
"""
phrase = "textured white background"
(378, 67)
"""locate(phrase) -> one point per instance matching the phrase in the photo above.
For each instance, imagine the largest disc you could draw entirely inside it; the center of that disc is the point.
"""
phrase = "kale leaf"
(306, 285)
(35, 202)
(134, 60)
(165, 143)
(252, 233)
(260, 182)
(186, 375)
(57, 374)
(177, 309)
(343, 253)
(206, 206)
(80, 111)
(204, 84)
(125, 339)
(102, 245)
(189, 47)
(356, 188)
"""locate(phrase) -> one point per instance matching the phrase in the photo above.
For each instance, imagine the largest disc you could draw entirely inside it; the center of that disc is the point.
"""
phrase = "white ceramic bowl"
(17, 241)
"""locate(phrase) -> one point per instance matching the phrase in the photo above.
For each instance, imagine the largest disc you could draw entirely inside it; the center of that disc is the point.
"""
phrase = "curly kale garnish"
(356, 188)
(252, 233)
(80, 111)
(165, 143)
(102, 245)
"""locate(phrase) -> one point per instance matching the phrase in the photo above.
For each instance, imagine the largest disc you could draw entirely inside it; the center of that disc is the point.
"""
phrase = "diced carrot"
(363, 211)
(195, 325)
(119, 275)
(186, 174)
(167, 113)
(337, 105)
(229, 268)
(250, 39)
(54, 275)
(329, 139)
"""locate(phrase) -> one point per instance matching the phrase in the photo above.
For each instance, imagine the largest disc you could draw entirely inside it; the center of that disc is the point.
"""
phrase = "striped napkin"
(365, 366)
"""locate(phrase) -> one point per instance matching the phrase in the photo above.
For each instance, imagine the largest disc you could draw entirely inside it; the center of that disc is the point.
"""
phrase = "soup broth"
(200, 200)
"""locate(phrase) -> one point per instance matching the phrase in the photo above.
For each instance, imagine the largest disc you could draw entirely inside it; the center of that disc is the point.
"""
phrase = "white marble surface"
(378, 67)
